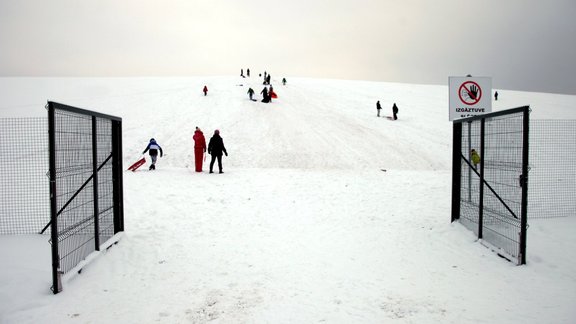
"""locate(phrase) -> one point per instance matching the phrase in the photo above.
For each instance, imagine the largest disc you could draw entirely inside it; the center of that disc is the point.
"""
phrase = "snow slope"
(302, 227)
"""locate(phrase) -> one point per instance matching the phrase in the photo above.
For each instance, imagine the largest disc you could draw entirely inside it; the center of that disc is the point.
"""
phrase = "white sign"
(469, 96)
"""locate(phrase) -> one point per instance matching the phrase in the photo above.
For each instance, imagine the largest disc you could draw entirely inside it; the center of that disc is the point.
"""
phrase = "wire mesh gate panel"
(85, 184)
(490, 197)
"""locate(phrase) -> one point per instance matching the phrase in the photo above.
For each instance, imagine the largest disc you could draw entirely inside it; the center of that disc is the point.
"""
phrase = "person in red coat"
(199, 148)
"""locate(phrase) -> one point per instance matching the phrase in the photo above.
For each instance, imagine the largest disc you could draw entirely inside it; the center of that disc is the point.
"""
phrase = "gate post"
(481, 189)
(118, 185)
(456, 169)
(524, 184)
(56, 284)
(95, 183)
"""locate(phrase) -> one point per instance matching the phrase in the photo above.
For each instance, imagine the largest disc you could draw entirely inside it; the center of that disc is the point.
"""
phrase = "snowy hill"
(303, 226)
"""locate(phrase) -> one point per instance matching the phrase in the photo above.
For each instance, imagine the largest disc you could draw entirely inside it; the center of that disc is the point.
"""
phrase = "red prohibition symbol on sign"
(470, 93)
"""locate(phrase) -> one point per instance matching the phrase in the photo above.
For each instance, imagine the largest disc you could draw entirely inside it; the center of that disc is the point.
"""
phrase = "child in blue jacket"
(153, 149)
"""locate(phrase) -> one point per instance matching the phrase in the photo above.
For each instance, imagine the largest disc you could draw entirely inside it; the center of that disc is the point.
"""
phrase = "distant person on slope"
(496, 95)
(250, 93)
(378, 108)
(395, 111)
(265, 96)
(153, 149)
(205, 90)
(283, 81)
(215, 148)
(199, 148)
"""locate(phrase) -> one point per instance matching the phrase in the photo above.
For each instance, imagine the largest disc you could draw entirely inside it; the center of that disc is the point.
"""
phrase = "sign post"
(469, 96)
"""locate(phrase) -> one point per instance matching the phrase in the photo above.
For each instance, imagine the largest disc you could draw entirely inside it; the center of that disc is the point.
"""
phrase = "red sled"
(273, 94)
(136, 165)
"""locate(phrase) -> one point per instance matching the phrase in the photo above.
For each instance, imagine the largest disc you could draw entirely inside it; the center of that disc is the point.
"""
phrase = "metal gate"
(85, 171)
(489, 193)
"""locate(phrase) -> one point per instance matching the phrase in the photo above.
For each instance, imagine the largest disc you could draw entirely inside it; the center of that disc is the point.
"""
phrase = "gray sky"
(522, 44)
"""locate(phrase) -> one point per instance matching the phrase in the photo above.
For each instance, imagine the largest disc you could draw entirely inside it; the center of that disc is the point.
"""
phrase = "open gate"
(85, 171)
(490, 197)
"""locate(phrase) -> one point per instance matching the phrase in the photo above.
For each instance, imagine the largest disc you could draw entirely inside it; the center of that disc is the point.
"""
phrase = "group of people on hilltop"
(267, 94)
(394, 110)
(267, 78)
(215, 149)
(247, 73)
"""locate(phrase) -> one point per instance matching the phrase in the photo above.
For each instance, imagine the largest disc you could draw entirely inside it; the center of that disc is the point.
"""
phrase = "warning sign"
(467, 96)
(470, 93)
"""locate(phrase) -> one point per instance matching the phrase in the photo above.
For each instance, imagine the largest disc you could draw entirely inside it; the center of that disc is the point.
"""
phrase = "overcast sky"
(522, 44)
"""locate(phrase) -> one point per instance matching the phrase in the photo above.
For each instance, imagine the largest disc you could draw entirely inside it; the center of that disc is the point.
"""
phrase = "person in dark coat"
(199, 148)
(395, 111)
(378, 108)
(265, 95)
(496, 95)
(205, 90)
(250, 93)
(153, 149)
(215, 148)
(248, 72)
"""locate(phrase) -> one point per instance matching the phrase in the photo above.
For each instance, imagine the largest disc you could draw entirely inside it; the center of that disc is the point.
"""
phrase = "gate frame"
(118, 196)
(457, 171)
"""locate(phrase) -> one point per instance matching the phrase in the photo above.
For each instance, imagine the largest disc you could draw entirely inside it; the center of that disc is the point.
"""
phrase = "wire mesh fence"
(24, 193)
(75, 194)
(470, 182)
(490, 167)
(62, 176)
(105, 179)
(86, 183)
(552, 173)
(503, 171)
(491, 198)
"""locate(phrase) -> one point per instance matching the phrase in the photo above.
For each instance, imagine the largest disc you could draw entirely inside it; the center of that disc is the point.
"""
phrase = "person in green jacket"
(475, 157)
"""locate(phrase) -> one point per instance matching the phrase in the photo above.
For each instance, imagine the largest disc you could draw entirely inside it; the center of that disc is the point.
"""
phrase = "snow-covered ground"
(304, 226)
